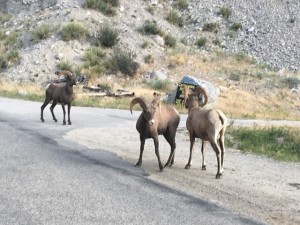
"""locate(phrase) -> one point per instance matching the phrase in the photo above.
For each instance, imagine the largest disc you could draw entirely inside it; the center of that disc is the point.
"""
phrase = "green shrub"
(236, 26)
(211, 27)
(236, 76)
(170, 41)
(216, 41)
(73, 31)
(3, 63)
(201, 42)
(93, 56)
(12, 57)
(145, 44)
(174, 18)
(107, 7)
(150, 9)
(148, 59)
(65, 65)
(225, 12)
(108, 36)
(292, 82)
(150, 27)
(159, 84)
(42, 32)
(123, 60)
(181, 4)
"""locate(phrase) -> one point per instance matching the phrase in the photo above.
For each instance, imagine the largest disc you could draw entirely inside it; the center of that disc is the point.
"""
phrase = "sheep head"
(191, 99)
(68, 76)
(148, 111)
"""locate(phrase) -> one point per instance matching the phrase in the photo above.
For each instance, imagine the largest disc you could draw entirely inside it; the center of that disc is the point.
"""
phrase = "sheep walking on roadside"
(60, 93)
(206, 124)
(156, 119)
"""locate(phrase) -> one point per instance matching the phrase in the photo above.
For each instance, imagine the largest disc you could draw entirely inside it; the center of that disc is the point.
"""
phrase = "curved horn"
(139, 100)
(186, 91)
(200, 90)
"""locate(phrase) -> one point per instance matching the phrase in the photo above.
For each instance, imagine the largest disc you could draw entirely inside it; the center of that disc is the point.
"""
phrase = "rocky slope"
(269, 30)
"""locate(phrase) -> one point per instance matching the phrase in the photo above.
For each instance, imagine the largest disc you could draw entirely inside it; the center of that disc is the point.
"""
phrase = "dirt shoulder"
(253, 185)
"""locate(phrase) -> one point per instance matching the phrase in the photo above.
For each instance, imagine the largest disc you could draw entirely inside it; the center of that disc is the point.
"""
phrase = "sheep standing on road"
(206, 124)
(60, 93)
(156, 120)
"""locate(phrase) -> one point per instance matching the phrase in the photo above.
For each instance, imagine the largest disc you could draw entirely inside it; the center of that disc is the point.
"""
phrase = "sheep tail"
(222, 118)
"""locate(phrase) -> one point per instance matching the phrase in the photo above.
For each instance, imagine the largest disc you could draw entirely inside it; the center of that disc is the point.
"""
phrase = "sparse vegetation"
(65, 65)
(292, 82)
(174, 18)
(42, 32)
(107, 7)
(151, 9)
(150, 27)
(236, 26)
(149, 59)
(281, 143)
(211, 27)
(225, 12)
(201, 42)
(108, 36)
(170, 41)
(145, 44)
(73, 31)
(159, 84)
(93, 61)
(181, 4)
(123, 60)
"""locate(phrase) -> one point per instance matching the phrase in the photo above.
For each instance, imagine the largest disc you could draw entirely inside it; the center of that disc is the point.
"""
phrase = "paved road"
(45, 179)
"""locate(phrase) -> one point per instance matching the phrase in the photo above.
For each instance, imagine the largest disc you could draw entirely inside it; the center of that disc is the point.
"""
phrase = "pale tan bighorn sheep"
(60, 93)
(156, 119)
(206, 124)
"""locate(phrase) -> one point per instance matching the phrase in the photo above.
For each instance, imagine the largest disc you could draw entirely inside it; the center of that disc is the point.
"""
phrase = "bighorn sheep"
(60, 93)
(206, 124)
(155, 120)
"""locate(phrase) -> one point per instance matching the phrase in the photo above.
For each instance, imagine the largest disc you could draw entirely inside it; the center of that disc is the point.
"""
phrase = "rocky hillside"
(267, 30)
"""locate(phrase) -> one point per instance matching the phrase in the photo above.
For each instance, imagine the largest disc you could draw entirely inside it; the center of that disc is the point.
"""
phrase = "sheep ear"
(200, 90)
(186, 91)
(140, 101)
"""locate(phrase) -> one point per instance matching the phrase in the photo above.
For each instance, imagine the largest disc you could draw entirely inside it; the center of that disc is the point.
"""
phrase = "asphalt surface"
(45, 179)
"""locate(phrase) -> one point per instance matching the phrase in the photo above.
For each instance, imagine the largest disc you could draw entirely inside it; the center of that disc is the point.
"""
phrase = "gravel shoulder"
(258, 186)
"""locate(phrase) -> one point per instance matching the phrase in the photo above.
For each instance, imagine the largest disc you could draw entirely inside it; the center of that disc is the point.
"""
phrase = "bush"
(174, 18)
(74, 31)
(159, 84)
(145, 44)
(201, 42)
(225, 12)
(150, 9)
(65, 65)
(150, 27)
(12, 57)
(93, 56)
(148, 59)
(104, 6)
(108, 36)
(123, 60)
(42, 32)
(292, 82)
(170, 41)
(211, 27)
(236, 26)
(181, 4)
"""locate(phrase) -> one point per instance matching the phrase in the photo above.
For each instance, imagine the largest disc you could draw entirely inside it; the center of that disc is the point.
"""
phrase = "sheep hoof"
(138, 164)
(218, 176)
(64, 123)
(69, 123)
(204, 167)
(42, 120)
(187, 167)
(161, 169)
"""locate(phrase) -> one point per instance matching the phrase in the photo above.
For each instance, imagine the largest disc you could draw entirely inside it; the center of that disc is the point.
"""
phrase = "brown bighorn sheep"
(60, 93)
(156, 119)
(206, 124)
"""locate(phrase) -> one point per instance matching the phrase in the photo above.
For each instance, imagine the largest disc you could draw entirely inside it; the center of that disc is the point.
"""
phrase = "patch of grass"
(236, 26)
(65, 65)
(108, 36)
(149, 59)
(201, 42)
(225, 12)
(145, 44)
(159, 84)
(123, 60)
(107, 7)
(170, 41)
(94, 60)
(292, 82)
(42, 32)
(174, 18)
(181, 4)
(150, 27)
(73, 31)
(211, 27)
(281, 143)
(151, 9)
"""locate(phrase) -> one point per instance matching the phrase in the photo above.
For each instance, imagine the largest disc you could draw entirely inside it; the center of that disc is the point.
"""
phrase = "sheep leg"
(172, 143)
(69, 109)
(203, 158)
(141, 152)
(221, 143)
(43, 107)
(155, 139)
(217, 151)
(51, 109)
(64, 113)
(192, 142)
